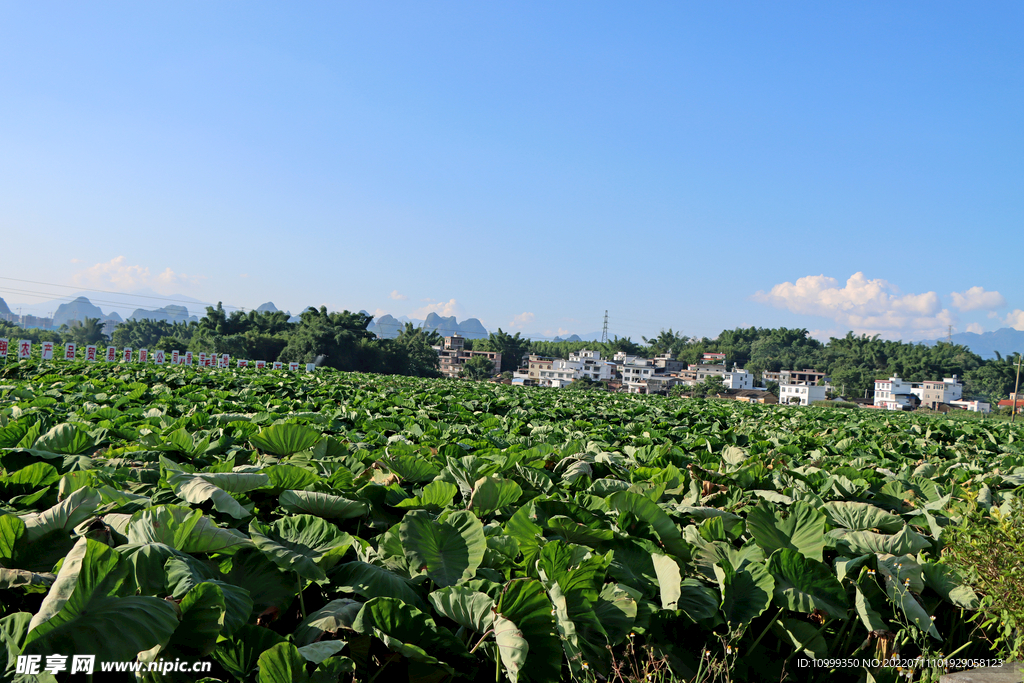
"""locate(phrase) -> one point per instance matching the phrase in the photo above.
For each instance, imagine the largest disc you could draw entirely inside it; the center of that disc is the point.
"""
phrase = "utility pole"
(604, 332)
(1016, 388)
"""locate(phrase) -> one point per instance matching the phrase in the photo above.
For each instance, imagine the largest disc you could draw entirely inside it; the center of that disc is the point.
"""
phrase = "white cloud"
(862, 305)
(398, 297)
(442, 308)
(522, 320)
(76, 260)
(1015, 320)
(977, 299)
(976, 328)
(117, 274)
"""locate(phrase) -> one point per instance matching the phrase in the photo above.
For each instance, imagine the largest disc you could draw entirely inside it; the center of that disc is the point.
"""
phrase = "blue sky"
(698, 166)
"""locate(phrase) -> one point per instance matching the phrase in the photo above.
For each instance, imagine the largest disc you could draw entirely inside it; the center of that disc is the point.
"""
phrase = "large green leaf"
(196, 490)
(803, 529)
(323, 505)
(670, 580)
(331, 618)
(906, 542)
(467, 608)
(645, 509)
(240, 653)
(435, 496)
(746, 593)
(203, 612)
(65, 438)
(493, 493)
(285, 439)
(802, 636)
(82, 610)
(862, 517)
(945, 581)
(12, 529)
(513, 647)
(183, 528)
(804, 585)
(64, 516)
(525, 603)
(910, 607)
(409, 632)
(282, 663)
(303, 544)
(370, 581)
(450, 551)
(235, 482)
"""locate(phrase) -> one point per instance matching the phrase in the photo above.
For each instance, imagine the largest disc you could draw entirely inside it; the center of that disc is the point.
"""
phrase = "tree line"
(341, 340)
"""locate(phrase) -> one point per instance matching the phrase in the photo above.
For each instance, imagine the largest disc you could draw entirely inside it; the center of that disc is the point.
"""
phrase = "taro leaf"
(371, 581)
(575, 532)
(450, 551)
(239, 653)
(435, 496)
(645, 509)
(331, 618)
(184, 574)
(285, 477)
(746, 593)
(848, 566)
(323, 505)
(493, 493)
(802, 636)
(911, 608)
(669, 580)
(303, 544)
(862, 517)
(65, 438)
(267, 587)
(409, 632)
(871, 619)
(697, 601)
(81, 611)
(803, 530)
(285, 439)
(513, 648)
(616, 611)
(467, 608)
(64, 516)
(906, 542)
(571, 640)
(414, 469)
(183, 528)
(945, 581)
(321, 651)
(282, 663)
(196, 490)
(31, 478)
(30, 582)
(13, 630)
(202, 618)
(11, 530)
(147, 560)
(235, 482)
(804, 585)
(903, 568)
(525, 603)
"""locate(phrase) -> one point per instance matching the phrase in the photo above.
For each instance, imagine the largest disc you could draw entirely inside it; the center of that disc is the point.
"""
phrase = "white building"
(635, 373)
(934, 392)
(972, 406)
(591, 366)
(738, 378)
(894, 394)
(804, 394)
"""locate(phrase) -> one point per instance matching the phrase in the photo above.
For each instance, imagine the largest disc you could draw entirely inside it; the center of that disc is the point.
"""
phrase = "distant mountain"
(1006, 341)
(446, 327)
(268, 307)
(386, 327)
(540, 336)
(3, 308)
(79, 309)
(172, 314)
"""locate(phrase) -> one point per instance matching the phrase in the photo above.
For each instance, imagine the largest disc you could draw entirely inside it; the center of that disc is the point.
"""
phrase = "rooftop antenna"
(604, 332)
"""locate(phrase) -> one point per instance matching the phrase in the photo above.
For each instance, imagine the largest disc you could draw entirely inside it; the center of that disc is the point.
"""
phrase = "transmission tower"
(949, 335)
(604, 332)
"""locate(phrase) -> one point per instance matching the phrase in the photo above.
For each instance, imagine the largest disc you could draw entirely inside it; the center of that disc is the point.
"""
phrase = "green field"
(339, 526)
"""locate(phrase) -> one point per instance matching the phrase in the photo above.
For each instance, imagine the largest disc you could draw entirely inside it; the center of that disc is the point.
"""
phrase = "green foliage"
(299, 527)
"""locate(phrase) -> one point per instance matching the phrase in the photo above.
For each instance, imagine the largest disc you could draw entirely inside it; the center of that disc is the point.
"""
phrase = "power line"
(104, 291)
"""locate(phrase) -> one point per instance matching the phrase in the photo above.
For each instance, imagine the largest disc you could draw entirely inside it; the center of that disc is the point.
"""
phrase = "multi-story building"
(804, 394)
(665, 362)
(635, 373)
(738, 379)
(932, 393)
(713, 357)
(535, 365)
(591, 366)
(704, 370)
(894, 394)
(806, 376)
(453, 355)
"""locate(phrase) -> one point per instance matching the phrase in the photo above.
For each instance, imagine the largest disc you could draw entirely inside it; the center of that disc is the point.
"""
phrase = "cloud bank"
(118, 274)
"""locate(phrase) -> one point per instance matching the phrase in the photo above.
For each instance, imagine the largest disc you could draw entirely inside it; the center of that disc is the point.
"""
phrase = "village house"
(804, 394)
(793, 376)
(935, 392)
(452, 355)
